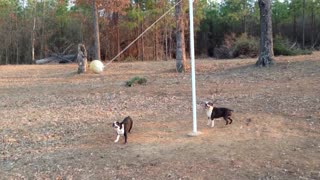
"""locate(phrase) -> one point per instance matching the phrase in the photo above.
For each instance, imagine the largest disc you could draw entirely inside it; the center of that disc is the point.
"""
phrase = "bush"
(136, 80)
(245, 46)
(281, 46)
(130, 59)
(225, 52)
(242, 46)
(248, 46)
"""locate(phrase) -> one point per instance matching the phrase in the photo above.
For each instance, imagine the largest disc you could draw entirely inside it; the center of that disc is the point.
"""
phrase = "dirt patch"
(56, 124)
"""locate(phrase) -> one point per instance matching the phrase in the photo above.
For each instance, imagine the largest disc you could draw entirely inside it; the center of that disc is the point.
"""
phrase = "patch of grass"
(130, 59)
(303, 51)
(136, 80)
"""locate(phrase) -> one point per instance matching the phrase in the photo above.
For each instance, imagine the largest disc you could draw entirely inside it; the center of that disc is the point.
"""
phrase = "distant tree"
(97, 52)
(237, 14)
(280, 14)
(303, 22)
(181, 61)
(106, 13)
(266, 42)
(33, 35)
(295, 6)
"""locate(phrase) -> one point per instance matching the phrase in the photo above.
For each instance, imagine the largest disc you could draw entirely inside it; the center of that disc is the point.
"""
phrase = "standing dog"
(217, 112)
(123, 128)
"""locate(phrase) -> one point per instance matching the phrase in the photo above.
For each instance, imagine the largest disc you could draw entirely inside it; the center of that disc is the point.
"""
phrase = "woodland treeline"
(35, 29)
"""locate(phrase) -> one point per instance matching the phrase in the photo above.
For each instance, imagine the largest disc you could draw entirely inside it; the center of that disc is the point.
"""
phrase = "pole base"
(193, 134)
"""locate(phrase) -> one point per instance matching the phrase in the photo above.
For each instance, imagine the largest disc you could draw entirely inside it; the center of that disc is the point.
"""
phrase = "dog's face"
(208, 105)
(116, 125)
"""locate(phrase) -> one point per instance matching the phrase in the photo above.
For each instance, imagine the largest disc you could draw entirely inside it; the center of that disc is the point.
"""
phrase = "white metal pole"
(193, 74)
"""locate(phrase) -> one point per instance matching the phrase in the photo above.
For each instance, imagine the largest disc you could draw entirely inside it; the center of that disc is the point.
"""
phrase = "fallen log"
(58, 59)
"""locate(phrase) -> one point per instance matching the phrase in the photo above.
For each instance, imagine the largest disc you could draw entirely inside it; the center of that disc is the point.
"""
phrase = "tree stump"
(82, 59)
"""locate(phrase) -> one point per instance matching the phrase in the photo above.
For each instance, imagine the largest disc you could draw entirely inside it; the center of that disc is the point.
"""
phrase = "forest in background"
(223, 30)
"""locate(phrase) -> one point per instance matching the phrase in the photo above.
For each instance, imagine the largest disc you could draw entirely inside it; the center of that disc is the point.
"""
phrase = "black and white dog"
(123, 128)
(217, 112)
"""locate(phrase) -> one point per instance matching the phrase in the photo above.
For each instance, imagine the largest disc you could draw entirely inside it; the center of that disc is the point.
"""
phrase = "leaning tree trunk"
(180, 49)
(82, 59)
(266, 42)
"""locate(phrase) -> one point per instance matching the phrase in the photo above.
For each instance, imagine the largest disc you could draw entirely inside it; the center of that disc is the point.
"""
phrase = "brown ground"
(56, 124)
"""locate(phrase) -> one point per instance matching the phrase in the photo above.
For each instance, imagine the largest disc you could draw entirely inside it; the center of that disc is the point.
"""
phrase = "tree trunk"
(17, 43)
(295, 25)
(180, 49)
(96, 31)
(303, 22)
(142, 41)
(244, 20)
(155, 45)
(166, 42)
(33, 34)
(139, 43)
(7, 55)
(18, 53)
(43, 32)
(82, 59)
(266, 42)
(312, 24)
(116, 22)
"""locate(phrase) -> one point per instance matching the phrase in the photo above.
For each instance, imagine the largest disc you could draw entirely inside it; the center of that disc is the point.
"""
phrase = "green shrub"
(136, 80)
(281, 46)
(245, 46)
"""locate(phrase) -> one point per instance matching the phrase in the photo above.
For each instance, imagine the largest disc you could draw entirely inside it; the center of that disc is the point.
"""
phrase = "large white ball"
(96, 66)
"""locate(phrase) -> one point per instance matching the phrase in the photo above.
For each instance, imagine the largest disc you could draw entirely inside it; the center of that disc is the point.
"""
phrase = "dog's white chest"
(209, 112)
(120, 131)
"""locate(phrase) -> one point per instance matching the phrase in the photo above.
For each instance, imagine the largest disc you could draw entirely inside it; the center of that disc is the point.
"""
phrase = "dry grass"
(57, 124)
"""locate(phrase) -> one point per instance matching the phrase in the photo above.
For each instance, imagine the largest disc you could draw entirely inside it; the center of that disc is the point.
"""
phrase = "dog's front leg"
(118, 136)
(212, 123)
(209, 121)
